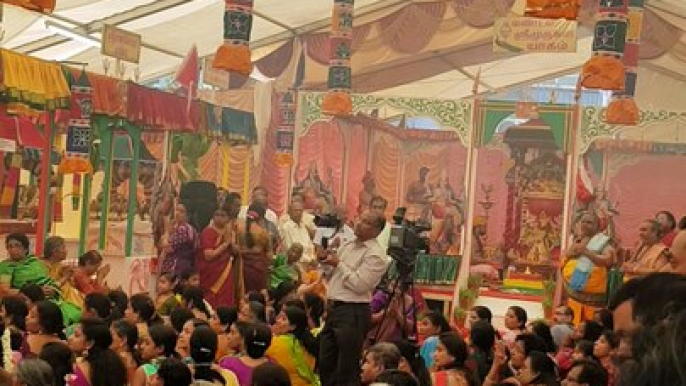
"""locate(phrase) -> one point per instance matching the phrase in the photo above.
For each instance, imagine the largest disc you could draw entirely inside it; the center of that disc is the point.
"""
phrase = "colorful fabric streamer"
(234, 54)
(285, 134)
(605, 69)
(77, 155)
(338, 101)
(552, 9)
(42, 6)
(622, 109)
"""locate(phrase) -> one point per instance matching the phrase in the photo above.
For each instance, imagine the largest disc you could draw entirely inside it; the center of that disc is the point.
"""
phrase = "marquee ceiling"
(419, 48)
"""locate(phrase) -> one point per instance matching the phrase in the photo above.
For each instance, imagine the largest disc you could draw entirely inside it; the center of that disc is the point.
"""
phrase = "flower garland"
(7, 362)
(605, 70)
(338, 101)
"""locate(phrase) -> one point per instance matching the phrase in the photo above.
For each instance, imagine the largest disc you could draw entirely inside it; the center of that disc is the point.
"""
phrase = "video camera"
(327, 226)
(407, 241)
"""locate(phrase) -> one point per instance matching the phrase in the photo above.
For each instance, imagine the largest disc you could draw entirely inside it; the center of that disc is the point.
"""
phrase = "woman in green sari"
(22, 268)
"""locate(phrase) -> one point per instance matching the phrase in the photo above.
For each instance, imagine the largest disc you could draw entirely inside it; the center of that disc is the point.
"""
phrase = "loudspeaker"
(200, 199)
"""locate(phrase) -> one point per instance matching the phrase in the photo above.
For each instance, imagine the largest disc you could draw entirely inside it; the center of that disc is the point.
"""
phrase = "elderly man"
(564, 326)
(650, 256)
(294, 230)
(379, 358)
(358, 267)
(379, 204)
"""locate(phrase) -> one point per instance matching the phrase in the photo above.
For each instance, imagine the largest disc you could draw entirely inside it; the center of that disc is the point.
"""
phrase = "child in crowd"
(90, 275)
(166, 298)
(431, 325)
(583, 351)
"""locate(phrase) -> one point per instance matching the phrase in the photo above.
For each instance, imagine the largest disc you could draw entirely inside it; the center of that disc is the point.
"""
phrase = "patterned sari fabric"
(31, 270)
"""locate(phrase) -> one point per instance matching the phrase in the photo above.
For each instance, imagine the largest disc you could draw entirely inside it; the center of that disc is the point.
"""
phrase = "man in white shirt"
(259, 195)
(344, 233)
(358, 267)
(294, 230)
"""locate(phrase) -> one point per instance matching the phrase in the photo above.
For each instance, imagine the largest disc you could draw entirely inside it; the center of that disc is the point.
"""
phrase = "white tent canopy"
(453, 47)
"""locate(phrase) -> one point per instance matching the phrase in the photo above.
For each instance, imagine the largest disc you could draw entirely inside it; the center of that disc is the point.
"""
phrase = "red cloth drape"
(160, 109)
(357, 166)
(274, 178)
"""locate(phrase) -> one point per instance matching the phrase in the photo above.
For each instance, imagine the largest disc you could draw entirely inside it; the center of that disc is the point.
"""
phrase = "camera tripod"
(403, 285)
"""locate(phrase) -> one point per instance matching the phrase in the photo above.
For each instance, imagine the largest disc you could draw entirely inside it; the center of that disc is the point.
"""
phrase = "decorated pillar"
(622, 109)
(234, 54)
(44, 215)
(605, 70)
(338, 100)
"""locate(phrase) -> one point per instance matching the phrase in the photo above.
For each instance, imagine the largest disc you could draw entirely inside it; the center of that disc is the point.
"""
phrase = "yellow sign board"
(121, 44)
(530, 34)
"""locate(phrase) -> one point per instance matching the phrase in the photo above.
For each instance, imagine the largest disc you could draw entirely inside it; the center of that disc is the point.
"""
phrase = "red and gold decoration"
(76, 158)
(234, 54)
(552, 9)
(605, 69)
(622, 109)
(338, 101)
(42, 6)
(285, 134)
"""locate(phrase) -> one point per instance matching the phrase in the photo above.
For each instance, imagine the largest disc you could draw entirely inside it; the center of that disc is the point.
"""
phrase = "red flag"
(187, 74)
(584, 185)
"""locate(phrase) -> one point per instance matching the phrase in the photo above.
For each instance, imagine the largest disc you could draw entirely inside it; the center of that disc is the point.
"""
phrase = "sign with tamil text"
(121, 44)
(530, 34)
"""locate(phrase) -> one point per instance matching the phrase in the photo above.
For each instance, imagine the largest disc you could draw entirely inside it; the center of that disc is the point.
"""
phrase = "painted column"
(108, 149)
(135, 135)
(44, 215)
(85, 212)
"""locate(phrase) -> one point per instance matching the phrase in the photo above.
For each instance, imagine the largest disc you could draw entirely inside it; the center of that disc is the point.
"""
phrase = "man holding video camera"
(357, 268)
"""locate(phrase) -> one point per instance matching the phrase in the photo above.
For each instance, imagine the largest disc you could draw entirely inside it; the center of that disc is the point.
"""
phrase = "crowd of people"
(257, 300)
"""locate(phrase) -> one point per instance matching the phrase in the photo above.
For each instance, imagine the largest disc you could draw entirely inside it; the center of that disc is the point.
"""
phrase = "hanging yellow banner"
(530, 34)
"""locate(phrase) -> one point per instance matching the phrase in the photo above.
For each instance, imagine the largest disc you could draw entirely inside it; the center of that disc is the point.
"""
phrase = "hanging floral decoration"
(605, 70)
(338, 101)
(76, 158)
(285, 134)
(552, 9)
(622, 109)
(234, 54)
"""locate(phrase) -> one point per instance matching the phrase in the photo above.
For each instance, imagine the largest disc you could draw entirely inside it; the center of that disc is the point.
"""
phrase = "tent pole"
(468, 227)
(135, 135)
(85, 212)
(570, 192)
(44, 186)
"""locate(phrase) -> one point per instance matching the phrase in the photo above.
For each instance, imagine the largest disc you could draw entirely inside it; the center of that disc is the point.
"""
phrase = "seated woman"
(22, 268)
(250, 342)
(99, 364)
(54, 254)
(44, 325)
(294, 347)
(90, 275)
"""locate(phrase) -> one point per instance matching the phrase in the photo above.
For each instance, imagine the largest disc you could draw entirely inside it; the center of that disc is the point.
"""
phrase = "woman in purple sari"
(181, 244)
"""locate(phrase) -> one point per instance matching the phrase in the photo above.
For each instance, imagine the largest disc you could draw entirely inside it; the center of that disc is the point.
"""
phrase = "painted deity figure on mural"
(418, 195)
(367, 193)
(312, 187)
(446, 216)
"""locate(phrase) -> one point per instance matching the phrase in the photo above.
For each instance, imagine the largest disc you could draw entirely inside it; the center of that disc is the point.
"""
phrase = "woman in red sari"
(215, 260)
(256, 249)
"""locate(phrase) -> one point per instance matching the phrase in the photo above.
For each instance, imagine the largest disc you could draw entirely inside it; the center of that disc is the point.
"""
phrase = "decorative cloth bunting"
(42, 6)
(77, 155)
(552, 9)
(605, 69)
(338, 100)
(285, 134)
(622, 109)
(234, 54)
